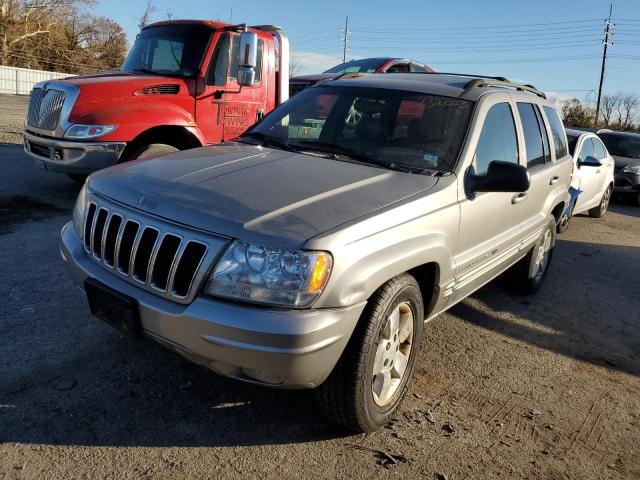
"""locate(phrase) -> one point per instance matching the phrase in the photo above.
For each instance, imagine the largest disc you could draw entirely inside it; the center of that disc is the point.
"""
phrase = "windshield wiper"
(269, 141)
(360, 156)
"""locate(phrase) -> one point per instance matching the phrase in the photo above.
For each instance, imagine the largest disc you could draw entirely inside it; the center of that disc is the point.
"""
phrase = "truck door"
(225, 110)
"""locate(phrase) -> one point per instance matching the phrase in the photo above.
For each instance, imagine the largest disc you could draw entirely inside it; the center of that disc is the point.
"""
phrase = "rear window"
(621, 145)
(557, 131)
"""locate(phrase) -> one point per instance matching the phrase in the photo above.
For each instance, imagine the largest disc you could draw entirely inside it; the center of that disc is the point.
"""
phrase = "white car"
(592, 179)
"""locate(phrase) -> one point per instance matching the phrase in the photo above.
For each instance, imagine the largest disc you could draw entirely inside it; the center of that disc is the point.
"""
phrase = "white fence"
(20, 81)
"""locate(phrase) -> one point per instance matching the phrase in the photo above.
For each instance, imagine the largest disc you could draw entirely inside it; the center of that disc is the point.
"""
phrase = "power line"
(517, 60)
(484, 27)
(540, 46)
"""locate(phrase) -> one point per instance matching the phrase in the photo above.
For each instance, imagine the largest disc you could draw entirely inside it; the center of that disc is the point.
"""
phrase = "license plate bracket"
(117, 309)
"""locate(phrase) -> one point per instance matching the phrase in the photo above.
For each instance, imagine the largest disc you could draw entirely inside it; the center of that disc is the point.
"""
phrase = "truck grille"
(44, 108)
(163, 262)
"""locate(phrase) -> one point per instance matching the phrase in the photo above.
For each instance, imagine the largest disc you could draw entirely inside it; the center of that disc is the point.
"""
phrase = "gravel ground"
(13, 109)
(543, 387)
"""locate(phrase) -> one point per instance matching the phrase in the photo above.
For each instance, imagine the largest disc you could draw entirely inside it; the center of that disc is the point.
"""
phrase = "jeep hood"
(254, 193)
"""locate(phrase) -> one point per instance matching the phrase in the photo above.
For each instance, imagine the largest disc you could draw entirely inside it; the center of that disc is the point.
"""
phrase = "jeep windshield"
(397, 130)
(173, 50)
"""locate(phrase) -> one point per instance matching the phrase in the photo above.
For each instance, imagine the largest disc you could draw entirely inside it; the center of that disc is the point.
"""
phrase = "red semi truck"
(184, 84)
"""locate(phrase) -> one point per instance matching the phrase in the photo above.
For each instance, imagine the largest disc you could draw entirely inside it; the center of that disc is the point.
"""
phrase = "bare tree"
(608, 105)
(629, 109)
(58, 35)
(145, 18)
(294, 67)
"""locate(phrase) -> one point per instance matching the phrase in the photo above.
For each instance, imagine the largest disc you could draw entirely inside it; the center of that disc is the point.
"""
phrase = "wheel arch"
(177, 136)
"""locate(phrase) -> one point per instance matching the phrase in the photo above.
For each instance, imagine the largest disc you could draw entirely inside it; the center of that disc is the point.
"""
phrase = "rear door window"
(557, 131)
(533, 140)
(498, 139)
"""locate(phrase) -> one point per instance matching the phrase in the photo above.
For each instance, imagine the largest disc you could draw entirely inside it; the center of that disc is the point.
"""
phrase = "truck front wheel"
(368, 384)
(148, 151)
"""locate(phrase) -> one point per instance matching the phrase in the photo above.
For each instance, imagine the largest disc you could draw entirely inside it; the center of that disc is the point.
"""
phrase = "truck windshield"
(393, 129)
(174, 50)
(367, 65)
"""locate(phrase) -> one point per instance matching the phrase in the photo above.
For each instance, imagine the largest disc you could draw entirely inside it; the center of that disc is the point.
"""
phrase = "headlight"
(632, 169)
(81, 132)
(78, 211)
(277, 276)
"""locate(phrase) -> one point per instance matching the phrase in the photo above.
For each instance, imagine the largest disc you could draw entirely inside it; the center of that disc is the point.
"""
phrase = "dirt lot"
(546, 387)
(13, 109)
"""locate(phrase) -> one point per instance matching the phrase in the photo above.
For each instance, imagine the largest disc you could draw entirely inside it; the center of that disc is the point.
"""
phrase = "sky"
(555, 45)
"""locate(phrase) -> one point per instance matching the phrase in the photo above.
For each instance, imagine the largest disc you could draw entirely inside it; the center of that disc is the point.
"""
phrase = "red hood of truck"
(113, 85)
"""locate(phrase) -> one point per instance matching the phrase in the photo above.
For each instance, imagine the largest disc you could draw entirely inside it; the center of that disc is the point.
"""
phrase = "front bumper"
(66, 156)
(270, 346)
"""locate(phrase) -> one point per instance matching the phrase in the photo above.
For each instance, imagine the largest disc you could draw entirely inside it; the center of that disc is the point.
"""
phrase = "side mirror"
(589, 162)
(500, 177)
(248, 59)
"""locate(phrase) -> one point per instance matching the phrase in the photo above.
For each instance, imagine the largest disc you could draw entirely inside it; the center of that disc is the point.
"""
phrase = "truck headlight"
(632, 169)
(275, 276)
(83, 132)
(78, 211)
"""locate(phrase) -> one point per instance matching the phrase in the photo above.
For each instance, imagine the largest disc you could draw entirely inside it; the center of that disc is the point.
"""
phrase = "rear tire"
(355, 395)
(149, 151)
(565, 220)
(601, 209)
(526, 276)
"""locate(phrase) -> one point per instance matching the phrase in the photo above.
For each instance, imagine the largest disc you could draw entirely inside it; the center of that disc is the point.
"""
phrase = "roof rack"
(504, 79)
(521, 87)
(487, 81)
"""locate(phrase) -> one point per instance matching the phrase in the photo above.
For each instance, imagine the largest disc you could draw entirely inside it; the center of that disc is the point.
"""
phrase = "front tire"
(366, 387)
(526, 276)
(149, 151)
(601, 209)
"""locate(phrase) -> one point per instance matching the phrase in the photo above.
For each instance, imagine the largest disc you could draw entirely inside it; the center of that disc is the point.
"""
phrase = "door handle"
(597, 171)
(554, 180)
(520, 197)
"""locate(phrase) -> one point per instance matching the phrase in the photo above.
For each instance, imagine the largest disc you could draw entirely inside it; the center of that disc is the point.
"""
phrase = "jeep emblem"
(148, 203)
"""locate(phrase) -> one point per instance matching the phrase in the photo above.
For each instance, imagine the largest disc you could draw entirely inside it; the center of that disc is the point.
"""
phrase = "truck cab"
(181, 86)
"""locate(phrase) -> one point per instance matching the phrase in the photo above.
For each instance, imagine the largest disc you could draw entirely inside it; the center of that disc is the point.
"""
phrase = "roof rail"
(504, 79)
(489, 82)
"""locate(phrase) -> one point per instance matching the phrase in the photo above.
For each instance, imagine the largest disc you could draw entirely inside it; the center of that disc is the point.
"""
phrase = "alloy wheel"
(392, 354)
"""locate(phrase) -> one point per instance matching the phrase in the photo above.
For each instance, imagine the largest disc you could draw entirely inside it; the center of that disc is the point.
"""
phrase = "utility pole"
(346, 39)
(607, 34)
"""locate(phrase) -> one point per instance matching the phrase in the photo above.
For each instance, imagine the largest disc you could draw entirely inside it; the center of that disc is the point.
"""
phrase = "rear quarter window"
(557, 131)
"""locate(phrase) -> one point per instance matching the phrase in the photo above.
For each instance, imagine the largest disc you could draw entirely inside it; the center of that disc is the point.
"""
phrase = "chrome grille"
(44, 108)
(162, 261)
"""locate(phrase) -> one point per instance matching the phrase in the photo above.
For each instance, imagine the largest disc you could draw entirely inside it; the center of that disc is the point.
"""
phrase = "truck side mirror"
(248, 59)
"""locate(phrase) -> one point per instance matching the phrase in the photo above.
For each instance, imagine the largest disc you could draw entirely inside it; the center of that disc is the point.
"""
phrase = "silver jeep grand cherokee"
(310, 252)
